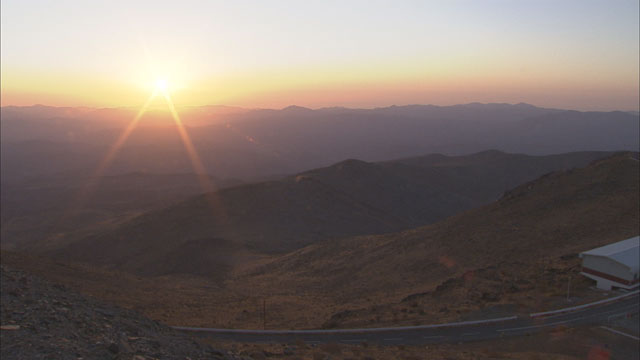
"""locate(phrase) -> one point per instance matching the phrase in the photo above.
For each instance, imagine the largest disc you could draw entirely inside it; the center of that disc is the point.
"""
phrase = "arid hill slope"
(515, 253)
(210, 234)
(558, 214)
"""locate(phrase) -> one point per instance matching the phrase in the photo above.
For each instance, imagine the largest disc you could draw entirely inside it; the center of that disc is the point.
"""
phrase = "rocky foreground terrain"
(46, 321)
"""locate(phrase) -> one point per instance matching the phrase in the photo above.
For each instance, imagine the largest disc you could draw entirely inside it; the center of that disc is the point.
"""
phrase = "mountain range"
(209, 233)
(374, 226)
(253, 144)
(517, 252)
(560, 213)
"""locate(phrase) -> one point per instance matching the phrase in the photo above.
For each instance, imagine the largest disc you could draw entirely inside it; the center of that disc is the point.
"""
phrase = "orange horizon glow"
(569, 54)
(363, 88)
(206, 184)
(373, 98)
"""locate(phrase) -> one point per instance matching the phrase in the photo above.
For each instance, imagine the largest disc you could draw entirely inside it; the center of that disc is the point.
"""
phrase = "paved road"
(516, 326)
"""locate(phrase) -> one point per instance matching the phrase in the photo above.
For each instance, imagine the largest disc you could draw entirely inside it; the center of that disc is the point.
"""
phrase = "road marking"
(568, 314)
(353, 340)
(626, 314)
(393, 339)
(620, 333)
(584, 306)
(538, 326)
(627, 307)
(568, 320)
(624, 310)
(550, 324)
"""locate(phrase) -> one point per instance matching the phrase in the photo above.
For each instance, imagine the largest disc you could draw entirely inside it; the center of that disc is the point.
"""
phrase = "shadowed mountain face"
(349, 198)
(253, 144)
(560, 213)
(50, 210)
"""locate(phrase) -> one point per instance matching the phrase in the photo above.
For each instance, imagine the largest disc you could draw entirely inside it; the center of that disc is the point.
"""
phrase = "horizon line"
(294, 106)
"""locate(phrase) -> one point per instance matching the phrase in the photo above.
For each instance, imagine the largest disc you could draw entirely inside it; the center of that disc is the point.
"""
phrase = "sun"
(162, 85)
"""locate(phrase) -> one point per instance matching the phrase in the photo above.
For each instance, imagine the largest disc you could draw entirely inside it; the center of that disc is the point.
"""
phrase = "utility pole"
(264, 313)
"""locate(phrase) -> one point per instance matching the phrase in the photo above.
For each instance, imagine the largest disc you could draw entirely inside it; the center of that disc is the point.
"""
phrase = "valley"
(515, 253)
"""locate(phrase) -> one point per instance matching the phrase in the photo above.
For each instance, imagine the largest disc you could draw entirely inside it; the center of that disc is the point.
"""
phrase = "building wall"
(606, 284)
(607, 266)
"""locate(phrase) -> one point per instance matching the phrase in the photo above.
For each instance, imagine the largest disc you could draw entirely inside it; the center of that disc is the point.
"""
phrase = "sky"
(572, 54)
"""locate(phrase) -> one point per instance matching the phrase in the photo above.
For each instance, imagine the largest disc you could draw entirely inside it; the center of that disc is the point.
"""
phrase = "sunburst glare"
(162, 85)
(161, 88)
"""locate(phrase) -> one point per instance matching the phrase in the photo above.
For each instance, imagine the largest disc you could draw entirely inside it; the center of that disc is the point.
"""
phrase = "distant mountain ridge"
(256, 143)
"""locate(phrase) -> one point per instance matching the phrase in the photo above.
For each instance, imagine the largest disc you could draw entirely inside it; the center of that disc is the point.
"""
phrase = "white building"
(613, 265)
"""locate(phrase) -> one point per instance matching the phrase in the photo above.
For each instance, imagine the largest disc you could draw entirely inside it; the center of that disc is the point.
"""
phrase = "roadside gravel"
(41, 320)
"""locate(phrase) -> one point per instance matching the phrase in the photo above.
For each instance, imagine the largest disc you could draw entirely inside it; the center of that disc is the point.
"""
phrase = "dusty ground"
(192, 301)
(563, 343)
(44, 321)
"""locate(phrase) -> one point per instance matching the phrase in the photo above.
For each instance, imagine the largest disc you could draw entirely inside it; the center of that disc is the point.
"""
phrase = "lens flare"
(203, 178)
(94, 178)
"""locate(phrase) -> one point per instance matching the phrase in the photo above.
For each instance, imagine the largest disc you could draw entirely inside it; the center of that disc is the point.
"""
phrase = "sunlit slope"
(350, 198)
(561, 213)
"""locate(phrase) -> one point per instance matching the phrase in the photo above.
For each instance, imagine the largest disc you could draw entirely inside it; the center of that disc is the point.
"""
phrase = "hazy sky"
(562, 53)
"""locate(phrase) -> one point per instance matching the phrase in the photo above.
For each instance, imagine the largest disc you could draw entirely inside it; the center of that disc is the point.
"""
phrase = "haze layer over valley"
(256, 144)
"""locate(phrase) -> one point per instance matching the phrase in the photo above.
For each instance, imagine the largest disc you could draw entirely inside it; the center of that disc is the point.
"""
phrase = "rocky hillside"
(210, 234)
(515, 253)
(558, 214)
(45, 321)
